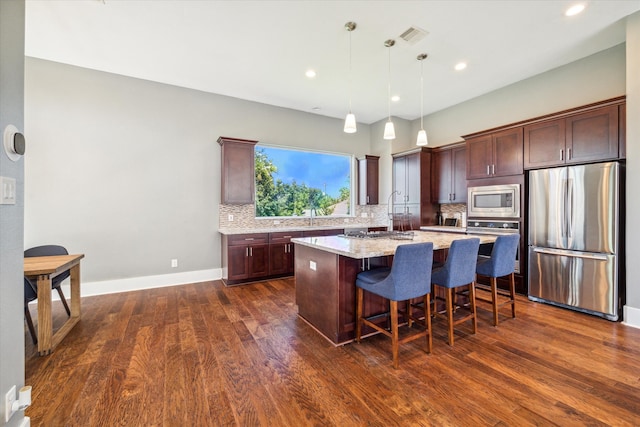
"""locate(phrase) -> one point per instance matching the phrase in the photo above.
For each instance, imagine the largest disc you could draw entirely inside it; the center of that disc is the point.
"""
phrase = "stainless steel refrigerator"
(574, 237)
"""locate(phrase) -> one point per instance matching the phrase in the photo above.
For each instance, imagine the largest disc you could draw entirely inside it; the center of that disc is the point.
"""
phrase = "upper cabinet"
(449, 178)
(622, 119)
(495, 154)
(238, 176)
(412, 205)
(577, 138)
(368, 180)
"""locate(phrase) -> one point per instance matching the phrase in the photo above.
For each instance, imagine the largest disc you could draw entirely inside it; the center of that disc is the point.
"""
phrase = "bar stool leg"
(359, 298)
(448, 301)
(512, 292)
(494, 299)
(427, 321)
(472, 303)
(394, 331)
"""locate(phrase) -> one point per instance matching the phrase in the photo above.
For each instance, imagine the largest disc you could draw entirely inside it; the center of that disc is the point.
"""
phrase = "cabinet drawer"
(247, 239)
(283, 236)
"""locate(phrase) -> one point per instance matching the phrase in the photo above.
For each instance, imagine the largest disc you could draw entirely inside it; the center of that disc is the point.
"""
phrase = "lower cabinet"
(257, 256)
(281, 253)
(245, 257)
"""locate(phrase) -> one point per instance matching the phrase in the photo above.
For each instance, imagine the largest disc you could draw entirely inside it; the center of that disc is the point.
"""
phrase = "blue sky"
(311, 168)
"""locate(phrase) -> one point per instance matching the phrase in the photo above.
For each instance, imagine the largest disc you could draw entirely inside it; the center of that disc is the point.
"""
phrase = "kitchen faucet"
(390, 208)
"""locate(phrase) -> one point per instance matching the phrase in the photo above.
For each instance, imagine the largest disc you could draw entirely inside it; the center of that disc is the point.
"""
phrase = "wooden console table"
(43, 269)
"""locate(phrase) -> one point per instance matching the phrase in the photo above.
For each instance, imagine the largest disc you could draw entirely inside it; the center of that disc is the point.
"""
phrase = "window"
(296, 182)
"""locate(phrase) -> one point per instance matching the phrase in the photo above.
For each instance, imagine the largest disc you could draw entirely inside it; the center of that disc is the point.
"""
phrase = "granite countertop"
(444, 228)
(275, 229)
(369, 248)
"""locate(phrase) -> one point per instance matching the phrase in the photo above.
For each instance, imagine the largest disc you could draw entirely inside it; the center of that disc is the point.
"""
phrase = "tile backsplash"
(244, 218)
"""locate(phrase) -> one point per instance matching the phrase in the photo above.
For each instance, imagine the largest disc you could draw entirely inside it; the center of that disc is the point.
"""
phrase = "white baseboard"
(631, 316)
(88, 289)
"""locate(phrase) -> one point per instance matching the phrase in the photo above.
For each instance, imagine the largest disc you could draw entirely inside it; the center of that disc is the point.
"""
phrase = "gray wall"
(11, 216)
(591, 79)
(633, 168)
(127, 171)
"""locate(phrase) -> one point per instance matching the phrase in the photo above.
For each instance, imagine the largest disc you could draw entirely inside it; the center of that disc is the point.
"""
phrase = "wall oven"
(494, 201)
(495, 228)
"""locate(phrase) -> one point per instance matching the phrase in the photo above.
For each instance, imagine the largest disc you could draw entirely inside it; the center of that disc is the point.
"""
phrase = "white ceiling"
(260, 50)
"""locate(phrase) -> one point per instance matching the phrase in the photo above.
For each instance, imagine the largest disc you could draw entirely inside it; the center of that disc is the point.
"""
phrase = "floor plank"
(204, 354)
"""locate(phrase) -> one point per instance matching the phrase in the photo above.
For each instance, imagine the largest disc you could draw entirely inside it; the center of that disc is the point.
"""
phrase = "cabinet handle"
(246, 251)
(453, 196)
(249, 238)
(250, 251)
(367, 199)
(488, 170)
(493, 169)
(561, 154)
(569, 154)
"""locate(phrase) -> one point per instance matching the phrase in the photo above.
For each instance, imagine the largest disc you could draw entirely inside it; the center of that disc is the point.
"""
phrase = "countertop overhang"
(370, 248)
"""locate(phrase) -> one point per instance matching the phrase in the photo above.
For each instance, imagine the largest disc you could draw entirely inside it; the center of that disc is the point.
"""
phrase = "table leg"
(75, 291)
(45, 322)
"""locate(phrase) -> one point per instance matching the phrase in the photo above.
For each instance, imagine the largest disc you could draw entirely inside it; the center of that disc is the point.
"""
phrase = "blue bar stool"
(459, 270)
(409, 277)
(500, 264)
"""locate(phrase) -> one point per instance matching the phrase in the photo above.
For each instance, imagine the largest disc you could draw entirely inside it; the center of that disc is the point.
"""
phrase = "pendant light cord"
(421, 93)
(389, 85)
(350, 74)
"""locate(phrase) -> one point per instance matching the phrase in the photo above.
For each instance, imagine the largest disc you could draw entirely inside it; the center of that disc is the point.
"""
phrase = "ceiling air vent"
(413, 35)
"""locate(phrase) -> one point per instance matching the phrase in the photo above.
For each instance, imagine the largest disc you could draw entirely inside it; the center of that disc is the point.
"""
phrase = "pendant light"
(350, 121)
(422, 135)
(389, 130)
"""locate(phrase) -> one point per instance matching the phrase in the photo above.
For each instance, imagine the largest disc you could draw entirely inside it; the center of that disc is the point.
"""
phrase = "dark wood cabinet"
(412, 206)
(245, 257)
(577, 138)
(622, 120)
(495, 154)
(450, 175)
(368, 173)
(238, 171)
(544, 144)
(281, 253)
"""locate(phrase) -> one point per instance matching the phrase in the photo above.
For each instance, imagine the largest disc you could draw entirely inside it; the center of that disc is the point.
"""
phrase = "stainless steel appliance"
(574, 250)
(494, 228)
(494, 201)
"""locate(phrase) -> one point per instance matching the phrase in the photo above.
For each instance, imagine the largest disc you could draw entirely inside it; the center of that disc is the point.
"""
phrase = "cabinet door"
(622, 119)
(368, 180)
(413, 178)
(479, 152)
(442, 173)
(258, 260)
(238, 260)
(544, 144)
(459, 175)
(238, 171)
(278, 258)
(399, 180)
(592, 135)
(507, 153)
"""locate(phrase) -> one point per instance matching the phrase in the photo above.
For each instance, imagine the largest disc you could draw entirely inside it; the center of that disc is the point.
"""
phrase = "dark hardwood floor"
(203, 354)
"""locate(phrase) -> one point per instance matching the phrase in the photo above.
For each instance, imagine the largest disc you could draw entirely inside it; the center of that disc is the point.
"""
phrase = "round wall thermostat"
(14, 143)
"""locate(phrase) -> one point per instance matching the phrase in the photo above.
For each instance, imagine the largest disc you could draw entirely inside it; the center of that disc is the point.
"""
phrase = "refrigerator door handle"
(569, 208)
(573, 254)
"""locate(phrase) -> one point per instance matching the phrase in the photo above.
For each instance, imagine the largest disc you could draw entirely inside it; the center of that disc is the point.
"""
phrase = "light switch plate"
(312, 265)
(7, 191)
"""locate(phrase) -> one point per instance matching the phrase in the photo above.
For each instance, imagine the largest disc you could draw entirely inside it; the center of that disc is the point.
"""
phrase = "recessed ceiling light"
(460, 66)
(310, 73)
(574, 10)
(395, 98)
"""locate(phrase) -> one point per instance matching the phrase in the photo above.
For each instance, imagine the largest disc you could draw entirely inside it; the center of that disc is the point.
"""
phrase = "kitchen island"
(326, 269)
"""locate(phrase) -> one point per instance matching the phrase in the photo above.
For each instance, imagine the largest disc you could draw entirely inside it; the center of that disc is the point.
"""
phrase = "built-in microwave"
(494, 201)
